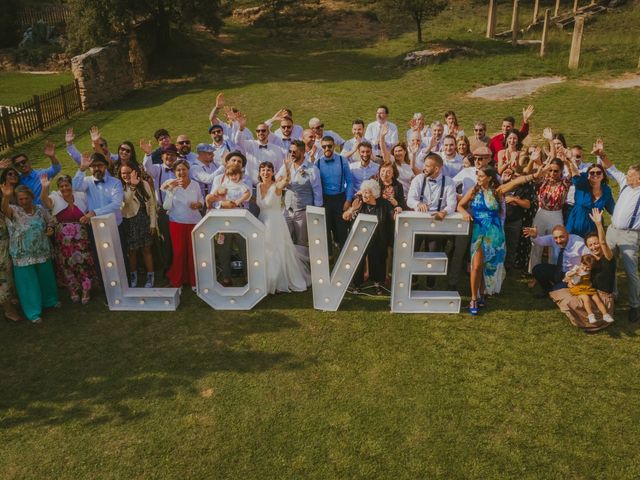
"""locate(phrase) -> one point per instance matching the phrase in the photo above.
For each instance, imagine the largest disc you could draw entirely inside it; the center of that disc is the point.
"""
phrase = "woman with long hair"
(72, 253)
(592, 191)
(139, 221)
(485, 206)
(510, 155)
(452, 127)
(399, 155)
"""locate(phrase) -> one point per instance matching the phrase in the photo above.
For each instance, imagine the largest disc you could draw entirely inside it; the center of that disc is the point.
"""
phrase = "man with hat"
(204, 168)
(221, 146)
(160, 174)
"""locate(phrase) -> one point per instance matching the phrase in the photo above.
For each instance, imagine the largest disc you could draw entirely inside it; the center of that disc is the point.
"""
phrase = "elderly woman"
(369, 201)
(6, 276)
(592, 191)
(603, 277)
(72, 254)
(29, 228)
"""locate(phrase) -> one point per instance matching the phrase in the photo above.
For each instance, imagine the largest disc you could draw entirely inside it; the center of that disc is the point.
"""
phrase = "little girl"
(232, 191)
(139, 221)
(579, 281)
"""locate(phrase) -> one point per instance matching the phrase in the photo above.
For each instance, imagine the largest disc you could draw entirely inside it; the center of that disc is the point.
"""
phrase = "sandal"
(482, 302)
(86, 296)
(473, 307)
(12, 318)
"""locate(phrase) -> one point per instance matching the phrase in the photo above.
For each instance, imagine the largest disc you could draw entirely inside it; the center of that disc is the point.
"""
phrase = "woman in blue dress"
(488, 250)
(592, 192)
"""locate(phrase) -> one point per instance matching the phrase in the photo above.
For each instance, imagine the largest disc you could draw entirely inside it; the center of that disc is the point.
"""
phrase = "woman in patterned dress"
(487, 239)
(72, 253)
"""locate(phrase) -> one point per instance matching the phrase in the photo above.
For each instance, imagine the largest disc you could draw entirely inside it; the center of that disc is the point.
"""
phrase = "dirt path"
(510, 90)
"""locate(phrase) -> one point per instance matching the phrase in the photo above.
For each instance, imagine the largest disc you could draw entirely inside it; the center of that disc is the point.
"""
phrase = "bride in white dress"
(287, 270)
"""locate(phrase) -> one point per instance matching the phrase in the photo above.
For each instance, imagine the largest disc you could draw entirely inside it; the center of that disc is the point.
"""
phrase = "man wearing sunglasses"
(337, 188)
(99, 145)
(318, 129)
(30, 176)
(221, 146)
(288, 131)
(304, 189)
(480, 137)
(183, 144)
(259, 150)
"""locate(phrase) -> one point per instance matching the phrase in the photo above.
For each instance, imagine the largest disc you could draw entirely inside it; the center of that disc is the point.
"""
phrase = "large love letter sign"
(407, 263)
(114, 274)
(229, 221)
(328, 290)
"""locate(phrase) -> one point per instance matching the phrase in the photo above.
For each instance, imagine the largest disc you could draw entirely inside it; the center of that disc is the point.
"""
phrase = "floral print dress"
(5, 262)
(488, 235)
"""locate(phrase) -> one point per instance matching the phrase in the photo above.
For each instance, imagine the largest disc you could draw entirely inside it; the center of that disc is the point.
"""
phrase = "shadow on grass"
(87, 366)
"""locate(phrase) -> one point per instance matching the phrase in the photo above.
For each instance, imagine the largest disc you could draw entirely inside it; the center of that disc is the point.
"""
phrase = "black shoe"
(633, 314)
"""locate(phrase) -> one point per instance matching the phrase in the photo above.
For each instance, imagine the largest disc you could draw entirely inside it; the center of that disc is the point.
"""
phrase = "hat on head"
(171, 148)
(212, 127)
(204, 147)
(482, 151)
(99, 158)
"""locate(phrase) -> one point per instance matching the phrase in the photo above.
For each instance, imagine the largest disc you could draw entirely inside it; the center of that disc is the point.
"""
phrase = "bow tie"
(433, 180)
(328, 160)
(263, 146)
(96, 182)
(167, 169)
(286, 139)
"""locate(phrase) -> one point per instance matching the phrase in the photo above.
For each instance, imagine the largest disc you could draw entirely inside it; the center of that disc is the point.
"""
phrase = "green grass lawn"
(284, 391)
(17, 87)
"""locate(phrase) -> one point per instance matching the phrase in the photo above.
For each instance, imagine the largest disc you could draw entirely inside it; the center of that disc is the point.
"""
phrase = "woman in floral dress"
(487, 239)
(72, 254)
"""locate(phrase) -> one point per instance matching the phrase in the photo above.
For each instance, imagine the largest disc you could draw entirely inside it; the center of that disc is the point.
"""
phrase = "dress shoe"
(633, 314)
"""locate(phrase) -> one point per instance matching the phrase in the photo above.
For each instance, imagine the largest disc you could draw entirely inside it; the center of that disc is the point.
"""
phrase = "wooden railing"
(49, 14)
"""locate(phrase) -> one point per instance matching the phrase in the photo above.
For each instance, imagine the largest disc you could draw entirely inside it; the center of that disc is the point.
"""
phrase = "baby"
(579, 281)
(232, 192)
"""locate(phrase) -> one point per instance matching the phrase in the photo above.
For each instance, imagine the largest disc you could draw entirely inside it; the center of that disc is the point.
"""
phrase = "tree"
(94, 22)
(418, 10)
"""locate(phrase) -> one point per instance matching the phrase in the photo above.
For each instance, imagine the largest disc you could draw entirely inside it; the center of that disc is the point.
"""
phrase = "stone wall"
(104, 74)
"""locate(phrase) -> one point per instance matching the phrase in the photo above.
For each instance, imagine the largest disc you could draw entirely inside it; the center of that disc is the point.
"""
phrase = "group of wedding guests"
(522, 201)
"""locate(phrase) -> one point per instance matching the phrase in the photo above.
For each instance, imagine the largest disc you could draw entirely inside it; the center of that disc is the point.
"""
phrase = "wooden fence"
(26, 119)
(49, 14)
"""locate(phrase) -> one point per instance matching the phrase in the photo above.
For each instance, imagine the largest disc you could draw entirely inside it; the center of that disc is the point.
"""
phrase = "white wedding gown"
(286, 265)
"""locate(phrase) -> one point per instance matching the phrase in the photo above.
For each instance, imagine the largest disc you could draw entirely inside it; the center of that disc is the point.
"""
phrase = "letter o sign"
(229, 221)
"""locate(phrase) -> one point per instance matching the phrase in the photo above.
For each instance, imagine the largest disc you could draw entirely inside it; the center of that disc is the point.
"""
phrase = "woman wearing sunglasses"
(592, 192)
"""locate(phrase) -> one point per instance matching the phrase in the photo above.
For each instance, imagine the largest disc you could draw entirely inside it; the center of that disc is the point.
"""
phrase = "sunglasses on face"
(184, 142)
(12, 174)
(292, 152)
(217, 131)
(325, 147)
(286, 126)
(595, 173)
(318, 127)
(261, 130)
(21, 163)
(126, 150)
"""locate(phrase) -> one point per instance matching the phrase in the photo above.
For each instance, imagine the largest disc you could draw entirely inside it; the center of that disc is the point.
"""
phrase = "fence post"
(575, 6)
(65, 108)
(36, 104)
(536, 8)
(77, 84)
(576, 42)
(514, 23)
(545, 32)
(557, 9)
(491, 20)
(6, 121)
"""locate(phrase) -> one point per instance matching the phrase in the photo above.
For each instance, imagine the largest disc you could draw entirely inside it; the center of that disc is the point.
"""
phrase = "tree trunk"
(419, 28)
(163, 32)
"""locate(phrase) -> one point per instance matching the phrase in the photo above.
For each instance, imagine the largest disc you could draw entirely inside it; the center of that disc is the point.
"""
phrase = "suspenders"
(424, 184)
(341, 173)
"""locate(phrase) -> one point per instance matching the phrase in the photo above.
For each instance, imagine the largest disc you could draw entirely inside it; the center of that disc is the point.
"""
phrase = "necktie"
(263, 146)
(632, 221)
(559, 262)
(98, 181)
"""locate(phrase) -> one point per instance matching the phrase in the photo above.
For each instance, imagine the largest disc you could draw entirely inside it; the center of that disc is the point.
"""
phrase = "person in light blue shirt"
(365, 169)
(337, 188)
(30, 177)
(104, 193)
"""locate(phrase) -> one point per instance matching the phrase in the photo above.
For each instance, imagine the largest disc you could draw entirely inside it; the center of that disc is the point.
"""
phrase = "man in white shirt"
(350, 147)
(287, 131)
(567, 251)
(453, 161)
(259, 150)
(623, 234)
(433, 193)
(310, 145)
(203, 169)
(304, 189)
(318, 129)
(365, 169)
(183, 144)
(372, 134)
(436, 139)
(221, 146)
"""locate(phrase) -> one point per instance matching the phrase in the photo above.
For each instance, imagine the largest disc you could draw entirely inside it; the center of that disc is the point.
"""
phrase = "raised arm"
(50, 152)
(386, 155)
(213, 116)
(44, 193)
(596, 217)
(7, 193)
(283, 181)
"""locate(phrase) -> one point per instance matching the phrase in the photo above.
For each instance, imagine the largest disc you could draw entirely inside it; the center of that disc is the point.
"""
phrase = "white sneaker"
(592, 318)
(607, 318)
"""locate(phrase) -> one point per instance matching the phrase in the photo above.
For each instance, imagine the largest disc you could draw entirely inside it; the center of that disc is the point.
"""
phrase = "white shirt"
(220, 151)
(203, 174)
(467, 177)
(350, 145)
(221, 178)
(361, 172)
(573, 251)
(452, 166)
(459, 134)
(296, 131)
(59, 203)
(428, 191)
(424, 134)
(160, 174)
(628, 202)
(189, 157)
(177, 203)
(103, 197)
(405, 175)
(256, 154)
(372, 134)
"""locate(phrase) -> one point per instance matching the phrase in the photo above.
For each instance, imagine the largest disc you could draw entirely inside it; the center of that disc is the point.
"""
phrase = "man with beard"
(183, 144)
(30, 177)
(259, 150)
(221, 146)
(365, 169)
(508, 124)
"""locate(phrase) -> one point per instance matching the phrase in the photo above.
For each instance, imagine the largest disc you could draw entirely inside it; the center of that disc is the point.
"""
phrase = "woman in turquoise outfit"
(30, 226)
(487, 239)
